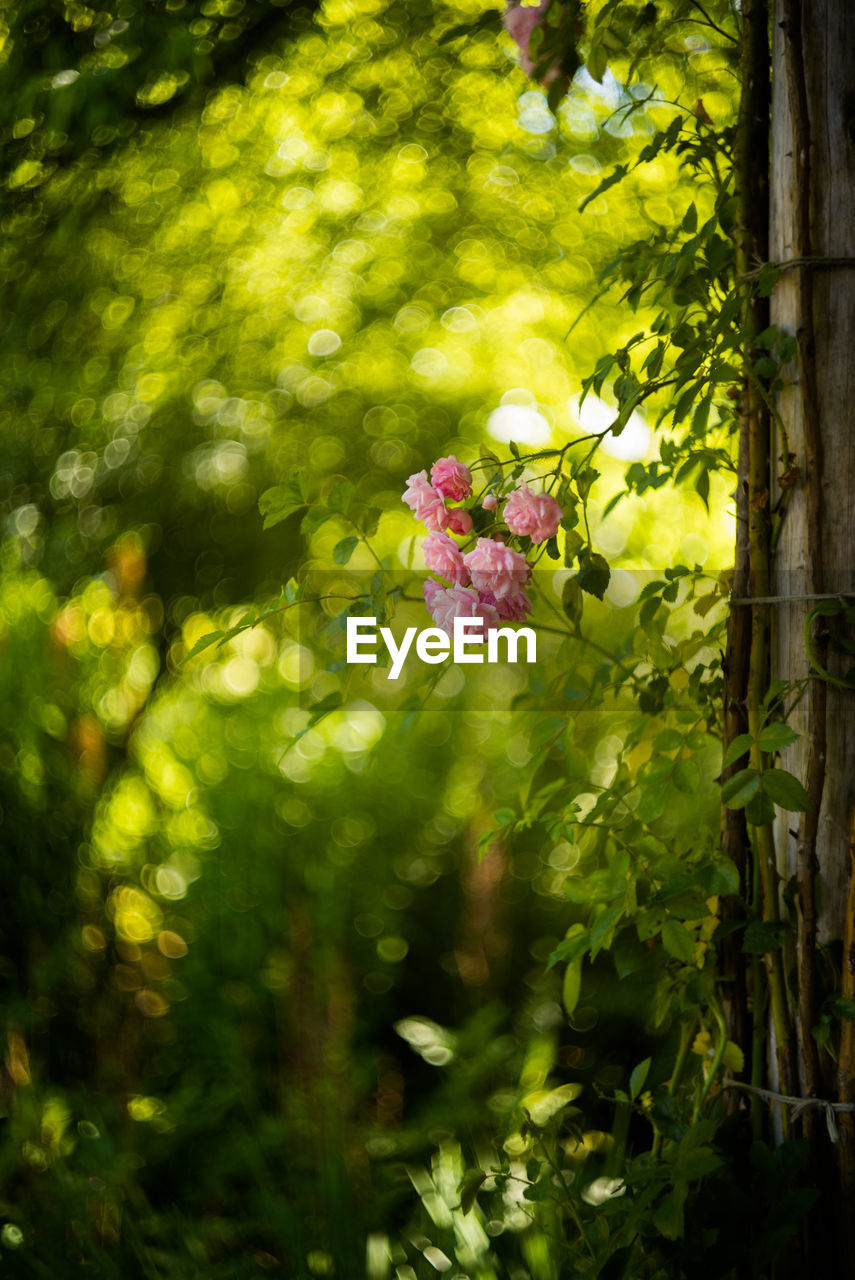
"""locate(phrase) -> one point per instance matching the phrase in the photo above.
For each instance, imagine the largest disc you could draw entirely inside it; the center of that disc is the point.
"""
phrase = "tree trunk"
(813, 218)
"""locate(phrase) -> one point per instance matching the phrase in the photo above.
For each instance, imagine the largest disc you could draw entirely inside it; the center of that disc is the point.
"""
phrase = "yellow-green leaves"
(638, 1077)
(678, 941)
(544, 1104)
(572, 986)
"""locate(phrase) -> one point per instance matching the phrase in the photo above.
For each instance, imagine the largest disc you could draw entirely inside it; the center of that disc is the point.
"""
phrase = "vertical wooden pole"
(812, 233)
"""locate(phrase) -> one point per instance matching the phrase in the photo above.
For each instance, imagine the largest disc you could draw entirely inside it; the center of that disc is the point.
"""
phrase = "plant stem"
(679, 1062)
(846, 1056)
(807, 865)
(719, 1053)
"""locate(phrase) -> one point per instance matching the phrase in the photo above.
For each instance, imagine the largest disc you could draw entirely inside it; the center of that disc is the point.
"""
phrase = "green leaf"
(572, 986)
(687, 777)
(469, 1187)
(785, 790)
(688, 906)
(763, 936)
(545, 732)
(696, 1136)
(594, 575)
(841, 1006)
(486, 20)
(616, 175)
(278, 503)
(760, 811)
(585, 479)
(677, 941)
(603, 925)
(504, 817)
(557, 91)
(578, 889)
(324, 707)
(597, 63)
(342, 551)
(739, 789)
(204, 643)
(677, 880)
(571, 599)
(683, 405)
(766, 367)
(700, 417)
(341, 495)
(638, 1077)
(378, 597)
(767, 279)
(573, 540)
(314, 518)
(775, 737)
(741, 743)
(572, 947)
(369, 520)
(490, 463)
(575, 687)
(647, 612)
(542, 1189)
(827, 609)
(726, 928)
(721, 876)
(697, 1164)
(649, 923)
(651, 802)
(668, 1218)
(627, 953)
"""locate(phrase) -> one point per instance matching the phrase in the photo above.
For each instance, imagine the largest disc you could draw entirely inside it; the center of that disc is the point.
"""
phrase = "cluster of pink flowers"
(532, 515)
(449, 481)
(489, 580)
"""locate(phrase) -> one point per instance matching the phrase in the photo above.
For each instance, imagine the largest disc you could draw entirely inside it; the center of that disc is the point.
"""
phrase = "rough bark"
(812, 234)
(827, 476)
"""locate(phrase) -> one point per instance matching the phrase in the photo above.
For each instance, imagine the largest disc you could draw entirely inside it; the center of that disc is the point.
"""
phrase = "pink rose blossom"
(442, 556)
(446, 604)
(432, 591)
(436, 520)
(520, 21)
(490, 502)
(459, 521)
(453, 480)
(496, 568)
(533, 515)
(513, 608)
(427, 502)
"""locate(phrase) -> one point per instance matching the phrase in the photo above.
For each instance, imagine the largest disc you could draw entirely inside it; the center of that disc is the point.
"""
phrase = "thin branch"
(807, 865)
(709, 22)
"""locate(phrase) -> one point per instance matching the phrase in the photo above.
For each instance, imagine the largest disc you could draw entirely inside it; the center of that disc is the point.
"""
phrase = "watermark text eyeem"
(434, 646)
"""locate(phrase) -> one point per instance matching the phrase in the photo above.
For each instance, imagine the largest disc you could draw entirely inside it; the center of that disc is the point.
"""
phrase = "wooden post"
(812, 232)
(829, 62)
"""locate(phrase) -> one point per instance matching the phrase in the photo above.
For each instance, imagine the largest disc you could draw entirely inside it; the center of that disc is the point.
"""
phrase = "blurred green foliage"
(78, 79)
(264, 1000)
